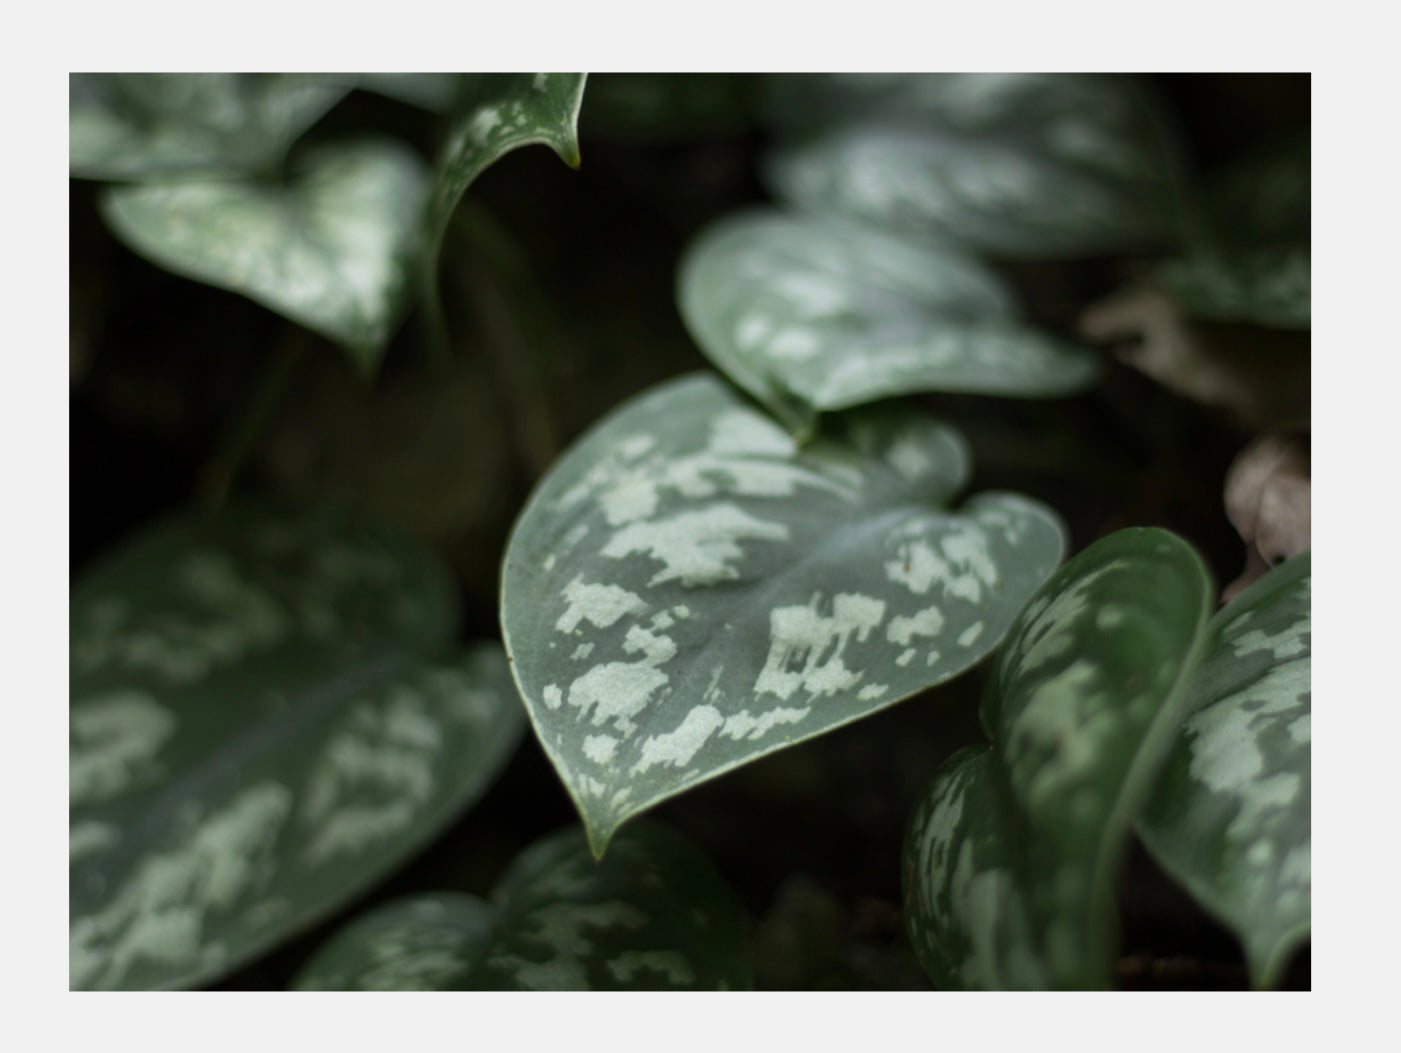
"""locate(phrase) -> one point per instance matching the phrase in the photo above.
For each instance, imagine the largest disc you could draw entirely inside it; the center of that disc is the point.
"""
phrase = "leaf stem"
(516, 321)
(217, 477)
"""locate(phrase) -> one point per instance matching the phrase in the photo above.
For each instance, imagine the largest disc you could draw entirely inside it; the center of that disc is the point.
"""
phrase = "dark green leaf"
(158, 125)
(1084, 700)
(812, 314)
(1268, 287)
(333, 249)
(429, 942)
(652, 916)
(1229, 817)
(688, 590)
(260, 727)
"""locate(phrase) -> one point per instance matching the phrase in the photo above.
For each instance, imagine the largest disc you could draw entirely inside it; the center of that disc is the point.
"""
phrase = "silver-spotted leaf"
(1229, 817)
(162, 125)
(1086, 694)
(688, 589)
(428, 942)
(501, 112)
(333, 249)
(966, 880)
(1017, 165)
(653, 915)
(264, 719)
(811, 314)
(1090, 669)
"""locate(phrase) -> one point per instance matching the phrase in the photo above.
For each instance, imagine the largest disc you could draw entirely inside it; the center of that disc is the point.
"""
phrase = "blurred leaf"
(1229, 817)
(265, 718)
(159, 125)
(667, 107)
(812, 314)
(688, 590)
(1017, 165)
(1269, 287)
(1264, 197)
(652, 916)
(436, 92)
(332, 249)
(501, 112)
(1086, 694)
(427, 942)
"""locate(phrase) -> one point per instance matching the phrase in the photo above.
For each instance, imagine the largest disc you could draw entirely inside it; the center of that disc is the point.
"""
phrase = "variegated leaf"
(812, 314)
(688, 589)
(501, 112)
(334, 249)
(653, 915)
(1229, 817)
(260, 727)
(1085, 698)
(1055, 165)
(967, 878)
(428, 942)
(159, 125)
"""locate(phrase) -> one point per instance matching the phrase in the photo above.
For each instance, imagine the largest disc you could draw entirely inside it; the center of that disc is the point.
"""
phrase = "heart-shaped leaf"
(1087, 169)
(501, 112)
(1084, 701)
(261, 726)
(688, 590)
(811, 314)
(1229, 817)
(158, 125)
(653, 915)
(334, 248)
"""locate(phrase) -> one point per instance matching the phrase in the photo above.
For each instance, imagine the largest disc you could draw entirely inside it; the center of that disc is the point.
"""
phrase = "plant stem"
(498, 285)
(219, 472)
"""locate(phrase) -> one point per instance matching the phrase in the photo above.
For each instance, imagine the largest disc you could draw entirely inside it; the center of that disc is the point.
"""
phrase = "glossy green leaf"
(428, 942)
(1266, 286)
(1018, 165)
(812, 314)
(688, 589)
(159, 125)
(265, 718)
(501, 112)
(1085, 698)
(334, 248)
(1229, 817)
(653, 915)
